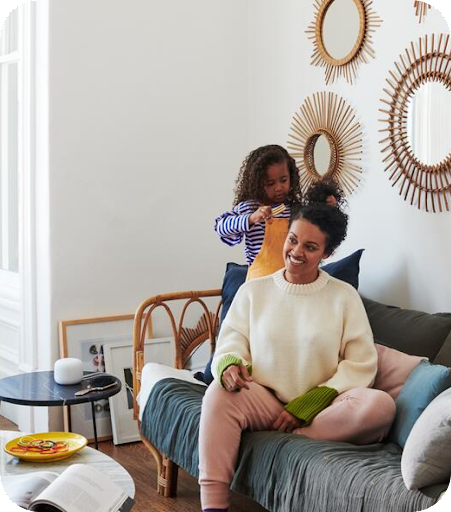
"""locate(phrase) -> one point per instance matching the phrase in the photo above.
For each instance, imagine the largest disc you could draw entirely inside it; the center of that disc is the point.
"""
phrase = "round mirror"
(428, 118)
(321, 155)
(341, 28)
(417, 142)
(326, 141)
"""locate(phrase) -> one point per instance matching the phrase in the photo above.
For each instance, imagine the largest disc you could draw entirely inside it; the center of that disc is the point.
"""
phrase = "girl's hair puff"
(250, 183)
(330, 219)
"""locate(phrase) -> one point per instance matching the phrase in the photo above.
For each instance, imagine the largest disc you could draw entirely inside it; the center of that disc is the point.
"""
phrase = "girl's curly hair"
(250, 183)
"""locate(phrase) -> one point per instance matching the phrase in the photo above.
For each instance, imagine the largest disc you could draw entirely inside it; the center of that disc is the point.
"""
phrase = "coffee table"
(40, 389)
(10, 465)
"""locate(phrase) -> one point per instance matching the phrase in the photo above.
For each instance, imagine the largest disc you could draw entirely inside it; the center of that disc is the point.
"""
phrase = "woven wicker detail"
(162, 481)
(198, 334)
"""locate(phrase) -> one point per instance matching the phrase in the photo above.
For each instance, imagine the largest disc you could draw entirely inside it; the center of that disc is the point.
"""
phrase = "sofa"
(286, 472)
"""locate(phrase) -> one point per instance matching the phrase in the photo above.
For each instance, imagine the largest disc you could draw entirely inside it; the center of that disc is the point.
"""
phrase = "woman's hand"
(236, 377)
(286, 422)
(262, 214)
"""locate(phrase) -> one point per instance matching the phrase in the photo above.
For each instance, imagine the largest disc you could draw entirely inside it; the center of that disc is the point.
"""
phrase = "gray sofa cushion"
(410, 331)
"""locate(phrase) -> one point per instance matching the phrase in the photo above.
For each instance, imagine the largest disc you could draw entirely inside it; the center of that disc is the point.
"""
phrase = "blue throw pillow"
(346, 269)
(425, 383)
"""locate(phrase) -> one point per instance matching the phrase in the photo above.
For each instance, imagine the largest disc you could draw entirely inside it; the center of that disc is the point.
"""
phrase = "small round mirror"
(341, 28)
(428, 123)
(321, 155)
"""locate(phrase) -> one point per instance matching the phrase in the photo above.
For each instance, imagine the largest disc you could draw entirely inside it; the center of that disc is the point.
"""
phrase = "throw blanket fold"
(286, 472)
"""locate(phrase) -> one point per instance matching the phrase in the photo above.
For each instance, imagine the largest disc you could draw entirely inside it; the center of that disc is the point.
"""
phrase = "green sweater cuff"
(227, 361)
(308, 405)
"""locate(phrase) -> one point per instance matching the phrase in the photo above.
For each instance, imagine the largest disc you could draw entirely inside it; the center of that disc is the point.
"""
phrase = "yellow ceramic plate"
(75, 443)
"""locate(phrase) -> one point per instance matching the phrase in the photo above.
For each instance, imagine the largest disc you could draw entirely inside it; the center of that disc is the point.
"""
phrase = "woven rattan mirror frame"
(421, 9)
(326, 113)
(360, 53)
(427, 186)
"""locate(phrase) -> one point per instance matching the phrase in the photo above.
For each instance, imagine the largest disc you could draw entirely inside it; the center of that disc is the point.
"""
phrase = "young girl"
(268, 179)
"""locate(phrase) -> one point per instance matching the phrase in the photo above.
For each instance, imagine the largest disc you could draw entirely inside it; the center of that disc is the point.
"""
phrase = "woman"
(298, 346)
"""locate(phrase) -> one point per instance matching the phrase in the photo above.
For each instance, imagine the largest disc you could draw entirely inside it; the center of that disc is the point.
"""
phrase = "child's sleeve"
(232, 225)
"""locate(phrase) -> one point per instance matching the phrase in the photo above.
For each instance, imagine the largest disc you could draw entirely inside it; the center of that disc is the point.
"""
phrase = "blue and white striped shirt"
(233, 226)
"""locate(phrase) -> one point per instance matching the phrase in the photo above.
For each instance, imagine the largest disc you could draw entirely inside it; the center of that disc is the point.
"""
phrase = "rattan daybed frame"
(186, 340)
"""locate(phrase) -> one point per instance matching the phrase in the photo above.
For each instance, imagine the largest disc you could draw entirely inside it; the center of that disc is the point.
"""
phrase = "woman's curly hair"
(250, 183)
(323, 188)
(330, 219)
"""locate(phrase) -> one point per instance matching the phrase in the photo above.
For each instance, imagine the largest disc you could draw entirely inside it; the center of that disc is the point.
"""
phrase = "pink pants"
(359, 416)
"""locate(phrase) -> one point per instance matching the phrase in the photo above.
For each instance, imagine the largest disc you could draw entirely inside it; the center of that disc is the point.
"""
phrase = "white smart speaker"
(68, 371)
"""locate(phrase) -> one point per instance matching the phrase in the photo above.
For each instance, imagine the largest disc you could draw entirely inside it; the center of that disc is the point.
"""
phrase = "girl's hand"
(236, 377)
(286, 422)
(262, 214)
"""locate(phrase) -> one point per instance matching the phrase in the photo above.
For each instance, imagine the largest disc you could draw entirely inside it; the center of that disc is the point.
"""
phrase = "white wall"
(406, 261)
(142, 127)
(147, 130)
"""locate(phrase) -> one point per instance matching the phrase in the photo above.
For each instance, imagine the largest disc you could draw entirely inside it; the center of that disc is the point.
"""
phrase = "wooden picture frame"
(83, 339)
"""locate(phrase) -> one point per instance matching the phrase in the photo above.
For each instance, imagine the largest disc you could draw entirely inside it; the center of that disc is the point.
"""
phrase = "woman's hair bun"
(321, 189)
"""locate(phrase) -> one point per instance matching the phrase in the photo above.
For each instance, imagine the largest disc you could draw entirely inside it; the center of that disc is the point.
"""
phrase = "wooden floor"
(137, 460)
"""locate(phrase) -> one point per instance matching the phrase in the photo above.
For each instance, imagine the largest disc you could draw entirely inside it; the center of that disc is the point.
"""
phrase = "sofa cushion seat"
(286, 472)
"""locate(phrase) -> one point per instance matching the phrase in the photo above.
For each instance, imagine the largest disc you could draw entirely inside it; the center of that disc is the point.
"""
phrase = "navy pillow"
(234, 277)
(346, 269)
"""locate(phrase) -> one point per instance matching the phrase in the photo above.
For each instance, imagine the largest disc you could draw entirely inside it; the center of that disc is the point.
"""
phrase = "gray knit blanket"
(286, 472)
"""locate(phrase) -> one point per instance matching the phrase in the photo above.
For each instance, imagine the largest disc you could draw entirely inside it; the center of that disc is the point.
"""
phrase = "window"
(11, 70)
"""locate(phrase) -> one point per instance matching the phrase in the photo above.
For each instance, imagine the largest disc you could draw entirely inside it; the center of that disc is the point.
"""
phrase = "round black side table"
(40, 389)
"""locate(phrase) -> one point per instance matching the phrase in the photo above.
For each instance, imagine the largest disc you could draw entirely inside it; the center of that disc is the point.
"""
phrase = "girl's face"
(303, 251)
(277, 183)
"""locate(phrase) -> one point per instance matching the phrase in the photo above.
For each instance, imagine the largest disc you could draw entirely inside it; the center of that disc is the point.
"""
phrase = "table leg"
(94, 425)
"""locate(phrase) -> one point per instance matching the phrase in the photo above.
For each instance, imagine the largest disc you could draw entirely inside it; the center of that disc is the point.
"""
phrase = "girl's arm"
(232, 225)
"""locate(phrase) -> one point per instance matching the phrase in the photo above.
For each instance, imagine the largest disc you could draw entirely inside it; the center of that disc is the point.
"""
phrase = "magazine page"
(23, 489)
(81, 488)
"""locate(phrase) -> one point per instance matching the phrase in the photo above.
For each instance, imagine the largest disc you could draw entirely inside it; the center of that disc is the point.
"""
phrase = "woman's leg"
(224, 416)
(359, 416)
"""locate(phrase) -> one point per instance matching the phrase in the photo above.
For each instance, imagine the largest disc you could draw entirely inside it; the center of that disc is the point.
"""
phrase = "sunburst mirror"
(325, 139)
(421, 9)
(417, 128)
(342, 36)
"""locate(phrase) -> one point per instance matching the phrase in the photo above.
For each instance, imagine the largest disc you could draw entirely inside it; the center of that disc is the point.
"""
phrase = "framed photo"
(119, 362)
(85, 340)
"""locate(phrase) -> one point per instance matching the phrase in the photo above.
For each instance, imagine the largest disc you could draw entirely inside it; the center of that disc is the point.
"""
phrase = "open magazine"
(79, 488)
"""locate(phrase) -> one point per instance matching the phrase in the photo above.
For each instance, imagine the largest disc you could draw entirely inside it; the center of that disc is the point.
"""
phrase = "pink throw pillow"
(393, 368)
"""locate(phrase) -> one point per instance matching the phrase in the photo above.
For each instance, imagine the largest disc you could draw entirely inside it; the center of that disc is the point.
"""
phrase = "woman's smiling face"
(303, 251)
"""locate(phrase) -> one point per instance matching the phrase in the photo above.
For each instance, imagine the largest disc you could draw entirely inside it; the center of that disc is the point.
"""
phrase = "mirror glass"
(429, 123)
(341, 27)
(321, 155)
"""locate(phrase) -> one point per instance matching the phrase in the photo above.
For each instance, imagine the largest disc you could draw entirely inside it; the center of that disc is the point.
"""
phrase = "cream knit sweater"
(299, 337)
